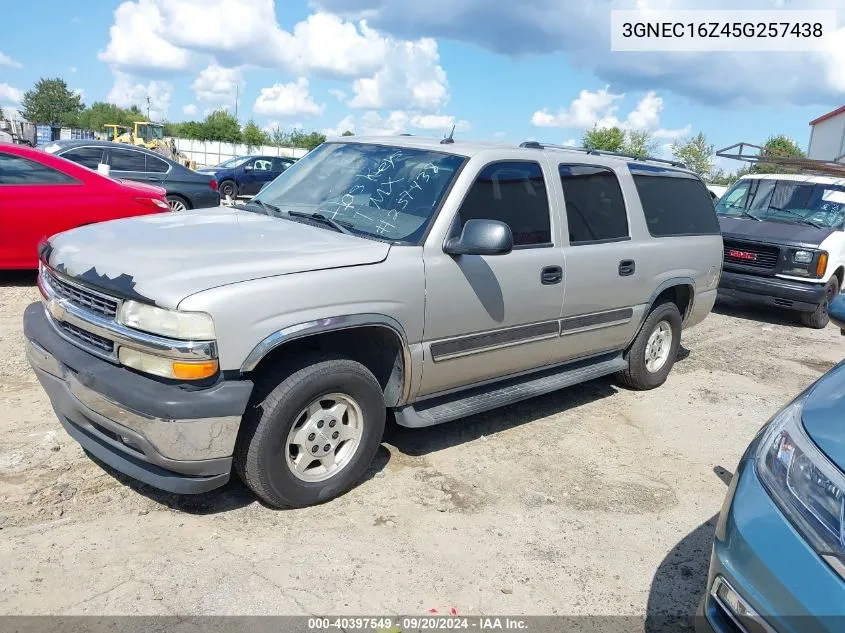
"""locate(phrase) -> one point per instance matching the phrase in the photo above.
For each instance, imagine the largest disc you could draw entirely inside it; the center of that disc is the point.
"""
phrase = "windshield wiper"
(268, 209)
(795, 214)
(337, 225)
(744, 212)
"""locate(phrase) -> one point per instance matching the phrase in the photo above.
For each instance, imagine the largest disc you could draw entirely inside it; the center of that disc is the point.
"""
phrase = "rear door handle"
(626, 267)
(551, 275)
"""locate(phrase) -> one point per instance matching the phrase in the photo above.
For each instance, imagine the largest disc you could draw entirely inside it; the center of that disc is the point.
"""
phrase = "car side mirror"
(481, 237)
(836, 311)
(248, 167)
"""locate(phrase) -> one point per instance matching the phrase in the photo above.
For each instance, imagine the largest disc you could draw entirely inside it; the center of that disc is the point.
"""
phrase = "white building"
(827, 136)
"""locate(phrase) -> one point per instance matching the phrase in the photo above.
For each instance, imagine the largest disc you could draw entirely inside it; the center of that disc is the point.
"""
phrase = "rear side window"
(156, 165)
(280, 165)
(512, 192)
(15, 170)
(595, 209)
(86, 156)
(127, 160)
(674, 203)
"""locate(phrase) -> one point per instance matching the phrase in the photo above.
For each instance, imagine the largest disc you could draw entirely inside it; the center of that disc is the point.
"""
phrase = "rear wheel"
(313, 435)
(819, 318)
(653, 353)
(228, 189)
(178, 203)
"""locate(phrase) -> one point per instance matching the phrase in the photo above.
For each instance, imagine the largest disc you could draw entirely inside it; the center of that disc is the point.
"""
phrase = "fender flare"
(665, 285)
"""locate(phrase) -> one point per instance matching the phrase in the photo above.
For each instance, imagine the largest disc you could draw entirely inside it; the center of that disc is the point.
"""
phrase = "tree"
(348, 133)
(221, 126)
(778, 146)
(254, 136)
(697, 154)
(299, 138)
(639, 143)
(99, 114)
(609, 139)
(50, 102)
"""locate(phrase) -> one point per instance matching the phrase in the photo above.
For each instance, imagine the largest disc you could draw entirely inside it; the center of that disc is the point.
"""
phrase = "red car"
(42, 194)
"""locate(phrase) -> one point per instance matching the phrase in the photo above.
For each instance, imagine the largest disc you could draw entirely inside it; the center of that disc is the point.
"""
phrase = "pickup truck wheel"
(653, 352)
(314, 434)
(819, 318)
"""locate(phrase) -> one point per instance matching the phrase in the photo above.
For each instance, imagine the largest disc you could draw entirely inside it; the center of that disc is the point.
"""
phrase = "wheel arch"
(386, 353)
(678, 290)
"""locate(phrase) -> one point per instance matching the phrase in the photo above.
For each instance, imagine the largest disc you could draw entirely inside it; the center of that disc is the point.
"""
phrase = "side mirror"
(481, 237)
(248, 167)
(836, 311)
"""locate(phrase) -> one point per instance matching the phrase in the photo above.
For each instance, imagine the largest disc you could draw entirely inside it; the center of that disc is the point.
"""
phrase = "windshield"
(386, 192)
(791, 201)
(234, 162)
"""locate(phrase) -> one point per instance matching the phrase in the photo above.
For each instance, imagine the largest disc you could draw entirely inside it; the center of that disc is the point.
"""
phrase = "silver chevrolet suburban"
(431, 278)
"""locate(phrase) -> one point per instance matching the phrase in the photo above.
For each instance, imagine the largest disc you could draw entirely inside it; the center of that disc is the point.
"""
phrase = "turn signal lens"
(822, 265)
(194, 371)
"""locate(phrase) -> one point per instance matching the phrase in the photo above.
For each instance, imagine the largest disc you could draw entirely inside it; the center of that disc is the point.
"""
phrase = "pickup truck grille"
(750, 254)
(83, 298)
(88, 338)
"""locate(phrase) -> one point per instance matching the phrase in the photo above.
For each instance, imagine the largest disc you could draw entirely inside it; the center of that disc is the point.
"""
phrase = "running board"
(479, 399)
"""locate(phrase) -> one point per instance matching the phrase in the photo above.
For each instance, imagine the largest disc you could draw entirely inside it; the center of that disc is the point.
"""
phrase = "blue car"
(778, 561)
(246, 175)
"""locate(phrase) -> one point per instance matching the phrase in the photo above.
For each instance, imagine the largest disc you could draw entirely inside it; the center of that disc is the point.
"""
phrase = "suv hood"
(773, 232)
(164, 258)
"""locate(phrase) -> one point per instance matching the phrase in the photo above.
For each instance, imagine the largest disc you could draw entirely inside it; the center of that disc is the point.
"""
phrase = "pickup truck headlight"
(189, 326)
(802, 257)
(807, 487)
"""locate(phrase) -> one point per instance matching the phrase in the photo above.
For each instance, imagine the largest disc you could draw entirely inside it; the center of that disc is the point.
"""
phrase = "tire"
(228, 188)
(178, 203)
(266, 457)
(642, 374)
(819, 318)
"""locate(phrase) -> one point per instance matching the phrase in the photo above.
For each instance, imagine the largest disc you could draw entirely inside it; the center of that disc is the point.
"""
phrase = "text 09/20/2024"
(709, 30)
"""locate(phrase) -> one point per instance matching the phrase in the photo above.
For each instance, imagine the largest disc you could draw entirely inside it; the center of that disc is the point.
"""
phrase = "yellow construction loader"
(148, 135)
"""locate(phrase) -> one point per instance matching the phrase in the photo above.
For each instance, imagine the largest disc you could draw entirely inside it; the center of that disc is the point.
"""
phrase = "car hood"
(773, 232)
(824, 415)
(164, 258)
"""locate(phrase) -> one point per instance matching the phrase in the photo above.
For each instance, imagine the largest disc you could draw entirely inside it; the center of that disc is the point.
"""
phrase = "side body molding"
(332, 324)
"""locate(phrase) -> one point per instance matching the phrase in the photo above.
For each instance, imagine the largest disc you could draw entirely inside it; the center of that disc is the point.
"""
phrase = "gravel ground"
(592, 500)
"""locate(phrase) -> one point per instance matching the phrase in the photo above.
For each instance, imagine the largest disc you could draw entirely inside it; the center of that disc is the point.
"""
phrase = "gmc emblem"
(751, 257)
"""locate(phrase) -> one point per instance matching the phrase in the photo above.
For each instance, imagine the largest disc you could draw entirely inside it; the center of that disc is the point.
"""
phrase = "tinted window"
(156, 165)
(595, 210)
(88, 156)
(676, 205)
(279, 164)
(15, 170)
(513, 193)
(127, 160)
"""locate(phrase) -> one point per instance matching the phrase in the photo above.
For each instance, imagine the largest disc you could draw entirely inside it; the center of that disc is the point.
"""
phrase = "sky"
(495, 69)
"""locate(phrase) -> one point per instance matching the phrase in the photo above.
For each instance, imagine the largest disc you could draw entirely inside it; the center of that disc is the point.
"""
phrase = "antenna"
(449, 140)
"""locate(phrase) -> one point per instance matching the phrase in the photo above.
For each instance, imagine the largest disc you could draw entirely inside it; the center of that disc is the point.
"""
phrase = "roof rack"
(601, 152)
(805, 165)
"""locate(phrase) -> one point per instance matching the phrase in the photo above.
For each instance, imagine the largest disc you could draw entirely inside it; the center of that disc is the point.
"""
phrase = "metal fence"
(211, 153)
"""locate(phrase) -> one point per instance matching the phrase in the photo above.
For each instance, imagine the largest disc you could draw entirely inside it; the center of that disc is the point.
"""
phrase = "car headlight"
(802, 257)
(807, 487)
(189, 326)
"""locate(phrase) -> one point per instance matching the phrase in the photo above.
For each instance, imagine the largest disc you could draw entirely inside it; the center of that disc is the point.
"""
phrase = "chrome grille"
(83, 298)
(88, 338)
(751, 254)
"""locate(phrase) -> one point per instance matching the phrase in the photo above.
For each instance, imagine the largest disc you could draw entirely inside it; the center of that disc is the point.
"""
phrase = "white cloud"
(128, 91)
(5, 60)
(190, 110)
(340, 95)
(73, 69)
(582, 31)
(587, 110)
(373, 123)
(12, 114)
(287, 100)
(346, 123)
(218, 85)
(571, 142)
(9, 94)
(413, 78)
(80, 93)
(439, 122)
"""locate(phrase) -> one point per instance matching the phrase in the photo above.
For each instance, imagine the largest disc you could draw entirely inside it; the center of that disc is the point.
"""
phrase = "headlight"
(159, 366)
(802, 257)
(190, 326)
(806, 486)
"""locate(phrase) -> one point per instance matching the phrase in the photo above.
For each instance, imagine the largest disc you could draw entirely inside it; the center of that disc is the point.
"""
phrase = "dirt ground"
(592, 500)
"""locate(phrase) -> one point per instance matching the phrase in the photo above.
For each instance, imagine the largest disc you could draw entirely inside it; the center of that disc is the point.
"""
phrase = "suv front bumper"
(772, 291)
(165, 435)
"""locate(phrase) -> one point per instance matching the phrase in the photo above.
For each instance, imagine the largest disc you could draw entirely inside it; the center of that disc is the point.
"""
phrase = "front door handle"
(551, 275)
(626, 267)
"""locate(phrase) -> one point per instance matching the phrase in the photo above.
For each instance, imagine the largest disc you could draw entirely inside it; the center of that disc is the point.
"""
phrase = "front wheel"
(653, 353)
(819, 318)
(313, 435)
(178, 203)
